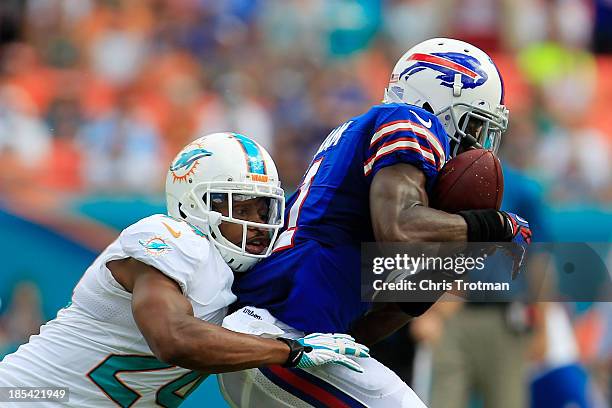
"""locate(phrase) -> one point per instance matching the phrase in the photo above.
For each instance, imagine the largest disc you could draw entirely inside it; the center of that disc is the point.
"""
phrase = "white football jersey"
(94, 348)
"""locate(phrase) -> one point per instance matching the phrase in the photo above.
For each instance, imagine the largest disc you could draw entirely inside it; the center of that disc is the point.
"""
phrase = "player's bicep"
(159, 307)
(394, 190)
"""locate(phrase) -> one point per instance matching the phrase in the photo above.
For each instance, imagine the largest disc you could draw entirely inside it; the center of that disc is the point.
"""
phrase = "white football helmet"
(225, 168)
(458, 83)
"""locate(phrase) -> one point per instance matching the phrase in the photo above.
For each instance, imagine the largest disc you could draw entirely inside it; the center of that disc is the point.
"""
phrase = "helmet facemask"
(474, 127)
(214, 203)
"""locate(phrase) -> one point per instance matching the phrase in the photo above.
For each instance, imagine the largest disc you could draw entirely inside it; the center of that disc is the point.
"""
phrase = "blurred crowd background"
(97, 96)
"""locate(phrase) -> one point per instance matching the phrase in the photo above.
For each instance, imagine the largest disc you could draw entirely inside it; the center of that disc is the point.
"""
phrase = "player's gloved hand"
(519, 228)
(519, 233)
(318, 349)
(484, 226)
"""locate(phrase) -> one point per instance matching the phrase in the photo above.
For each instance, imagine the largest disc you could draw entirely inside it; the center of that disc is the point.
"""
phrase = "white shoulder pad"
(172, 246)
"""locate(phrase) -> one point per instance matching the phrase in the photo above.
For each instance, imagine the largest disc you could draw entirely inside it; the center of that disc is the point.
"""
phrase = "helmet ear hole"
(428, 107)
(182, 214)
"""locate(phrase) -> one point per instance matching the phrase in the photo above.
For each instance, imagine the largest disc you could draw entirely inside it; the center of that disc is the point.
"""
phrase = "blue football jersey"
(312, 280)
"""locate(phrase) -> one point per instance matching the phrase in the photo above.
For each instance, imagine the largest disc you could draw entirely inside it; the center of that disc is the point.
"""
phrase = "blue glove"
(521, 235)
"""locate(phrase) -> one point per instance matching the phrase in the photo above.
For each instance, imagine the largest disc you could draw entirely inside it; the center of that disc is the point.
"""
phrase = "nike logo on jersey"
(420, 119)
(175, 234)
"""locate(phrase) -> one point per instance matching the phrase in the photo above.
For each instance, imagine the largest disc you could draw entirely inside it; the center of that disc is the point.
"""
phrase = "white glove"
(318, 349)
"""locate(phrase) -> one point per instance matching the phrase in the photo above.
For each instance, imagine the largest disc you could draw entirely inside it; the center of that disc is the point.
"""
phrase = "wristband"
(486, 226)
(296, 350)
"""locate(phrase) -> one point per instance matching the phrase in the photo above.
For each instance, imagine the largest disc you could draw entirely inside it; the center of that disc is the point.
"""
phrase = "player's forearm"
(425, 224)
(166, 320)
(210, 348)
(422, 224)
(400, 212)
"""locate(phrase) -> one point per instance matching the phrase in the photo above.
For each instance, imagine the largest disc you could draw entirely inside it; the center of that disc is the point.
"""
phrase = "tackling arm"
(165, 318)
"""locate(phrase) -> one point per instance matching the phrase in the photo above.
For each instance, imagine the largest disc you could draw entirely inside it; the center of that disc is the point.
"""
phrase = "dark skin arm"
(395, 218)
(165, 318)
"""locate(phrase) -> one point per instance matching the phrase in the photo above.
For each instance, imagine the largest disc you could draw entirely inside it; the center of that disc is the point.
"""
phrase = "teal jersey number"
(171, 395)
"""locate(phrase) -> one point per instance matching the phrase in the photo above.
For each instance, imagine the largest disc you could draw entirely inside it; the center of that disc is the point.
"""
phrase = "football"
(472, 180)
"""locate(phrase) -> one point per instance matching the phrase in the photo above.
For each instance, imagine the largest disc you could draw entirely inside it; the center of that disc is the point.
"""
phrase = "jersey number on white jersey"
(171, 395)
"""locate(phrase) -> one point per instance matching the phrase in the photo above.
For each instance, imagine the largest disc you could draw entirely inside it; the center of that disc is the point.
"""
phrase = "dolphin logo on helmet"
(188, 158)
(448, 65)
(212, 173)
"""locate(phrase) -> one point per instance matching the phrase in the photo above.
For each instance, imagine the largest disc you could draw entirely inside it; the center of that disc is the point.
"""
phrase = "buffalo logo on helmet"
(187, 161)
(448, 65)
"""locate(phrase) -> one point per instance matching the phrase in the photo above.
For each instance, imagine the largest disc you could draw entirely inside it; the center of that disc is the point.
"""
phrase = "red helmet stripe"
(443, 62)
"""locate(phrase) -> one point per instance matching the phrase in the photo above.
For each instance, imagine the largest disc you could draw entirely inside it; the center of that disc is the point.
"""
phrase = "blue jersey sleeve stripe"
(389, 128)
(428, 154)
(401, 144)
(405, 135)
(386, 128)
